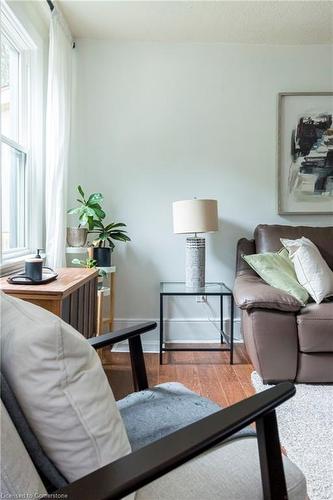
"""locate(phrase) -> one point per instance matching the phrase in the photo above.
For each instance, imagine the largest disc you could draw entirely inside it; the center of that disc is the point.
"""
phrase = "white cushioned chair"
(160, 443)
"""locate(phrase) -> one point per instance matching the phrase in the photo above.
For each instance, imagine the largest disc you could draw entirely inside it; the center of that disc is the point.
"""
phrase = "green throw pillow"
(278, 271)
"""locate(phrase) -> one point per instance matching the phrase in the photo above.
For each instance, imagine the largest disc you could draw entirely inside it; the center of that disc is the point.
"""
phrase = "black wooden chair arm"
(126, 333)
(132, 334)
(118, 479)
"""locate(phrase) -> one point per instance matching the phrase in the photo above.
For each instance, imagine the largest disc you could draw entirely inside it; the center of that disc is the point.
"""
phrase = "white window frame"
(31, 135)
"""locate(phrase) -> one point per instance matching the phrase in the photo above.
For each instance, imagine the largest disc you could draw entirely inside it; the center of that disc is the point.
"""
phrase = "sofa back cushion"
(244, 247)
(267, 238)
(60, 385)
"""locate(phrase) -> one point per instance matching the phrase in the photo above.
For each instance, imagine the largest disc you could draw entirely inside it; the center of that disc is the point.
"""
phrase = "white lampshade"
(195, 216)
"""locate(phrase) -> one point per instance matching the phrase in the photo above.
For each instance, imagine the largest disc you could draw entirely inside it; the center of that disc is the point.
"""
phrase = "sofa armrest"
(252, 292)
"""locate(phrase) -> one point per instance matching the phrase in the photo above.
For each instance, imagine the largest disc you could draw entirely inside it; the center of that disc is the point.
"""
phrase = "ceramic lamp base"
(195, 262)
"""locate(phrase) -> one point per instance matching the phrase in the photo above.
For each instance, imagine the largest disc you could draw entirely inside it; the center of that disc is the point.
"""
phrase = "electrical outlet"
(201, 299)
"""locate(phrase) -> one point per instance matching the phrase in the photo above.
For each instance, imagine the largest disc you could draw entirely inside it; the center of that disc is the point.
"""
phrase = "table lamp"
(195, 216)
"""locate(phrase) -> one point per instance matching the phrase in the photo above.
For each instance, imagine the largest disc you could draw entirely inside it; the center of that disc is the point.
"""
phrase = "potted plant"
(103, 244)
(89, 263)
(88, 210)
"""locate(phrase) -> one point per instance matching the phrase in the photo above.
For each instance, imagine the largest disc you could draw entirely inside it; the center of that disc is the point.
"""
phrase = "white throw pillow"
(59, 382)
(311, 269)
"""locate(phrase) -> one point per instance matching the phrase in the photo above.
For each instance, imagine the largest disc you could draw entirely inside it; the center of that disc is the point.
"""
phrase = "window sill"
(15, 264)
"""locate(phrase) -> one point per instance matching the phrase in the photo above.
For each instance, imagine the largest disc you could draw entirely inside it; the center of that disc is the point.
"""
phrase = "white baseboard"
(179, 331)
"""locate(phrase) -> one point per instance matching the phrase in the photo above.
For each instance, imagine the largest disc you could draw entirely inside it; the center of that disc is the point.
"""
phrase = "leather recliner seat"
(285, 341)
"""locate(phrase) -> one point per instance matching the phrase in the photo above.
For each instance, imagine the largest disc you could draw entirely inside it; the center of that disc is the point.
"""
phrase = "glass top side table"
(177, 288)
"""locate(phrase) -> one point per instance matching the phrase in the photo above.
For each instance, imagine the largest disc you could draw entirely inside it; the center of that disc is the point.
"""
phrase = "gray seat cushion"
(227, 472)
(154, 413)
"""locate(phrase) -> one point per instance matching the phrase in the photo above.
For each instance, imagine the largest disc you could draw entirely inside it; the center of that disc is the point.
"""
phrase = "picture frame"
(305, 153)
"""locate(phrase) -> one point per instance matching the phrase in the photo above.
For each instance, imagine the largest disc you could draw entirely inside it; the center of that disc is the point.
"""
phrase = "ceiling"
(257, 22)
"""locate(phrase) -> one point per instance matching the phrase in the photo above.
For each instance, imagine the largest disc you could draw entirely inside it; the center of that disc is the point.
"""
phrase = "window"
(16, 137)
(13, 174)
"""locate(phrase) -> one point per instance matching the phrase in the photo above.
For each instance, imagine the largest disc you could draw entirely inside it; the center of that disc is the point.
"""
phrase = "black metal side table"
(219, 289)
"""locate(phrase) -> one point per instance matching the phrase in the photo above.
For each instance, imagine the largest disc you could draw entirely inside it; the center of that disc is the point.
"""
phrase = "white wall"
(154, 123)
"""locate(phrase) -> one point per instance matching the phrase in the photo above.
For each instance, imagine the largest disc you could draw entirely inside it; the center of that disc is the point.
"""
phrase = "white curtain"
(57, 138)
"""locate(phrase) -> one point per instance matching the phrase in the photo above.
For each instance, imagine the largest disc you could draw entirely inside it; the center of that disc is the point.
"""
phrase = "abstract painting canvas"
(305, 153)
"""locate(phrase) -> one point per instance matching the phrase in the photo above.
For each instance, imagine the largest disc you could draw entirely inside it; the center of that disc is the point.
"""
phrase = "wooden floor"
(207, 373)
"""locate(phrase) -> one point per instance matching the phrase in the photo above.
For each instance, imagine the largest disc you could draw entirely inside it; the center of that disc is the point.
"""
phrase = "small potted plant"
(89, 263)
(88, 210)
(103, 244)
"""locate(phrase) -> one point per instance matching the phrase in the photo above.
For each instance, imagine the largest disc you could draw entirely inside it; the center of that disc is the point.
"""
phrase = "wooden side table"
(103, 292)
(72, 297)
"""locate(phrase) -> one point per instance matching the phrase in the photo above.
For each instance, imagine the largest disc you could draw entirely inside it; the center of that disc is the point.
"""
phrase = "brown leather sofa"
(284, 340)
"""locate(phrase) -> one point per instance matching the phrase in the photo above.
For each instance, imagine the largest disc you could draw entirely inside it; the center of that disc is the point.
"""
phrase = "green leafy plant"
(109, 232)
(89, 209)
(88, 263)
(91, 213)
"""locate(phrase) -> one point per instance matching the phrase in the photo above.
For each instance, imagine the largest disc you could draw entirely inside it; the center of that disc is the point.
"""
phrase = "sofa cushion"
(315, 328)
(267, 238)
(229, 472)
(60, 385)
(154, 413)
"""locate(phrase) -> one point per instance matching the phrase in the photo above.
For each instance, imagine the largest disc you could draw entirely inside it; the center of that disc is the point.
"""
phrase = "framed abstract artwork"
(305, 153)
